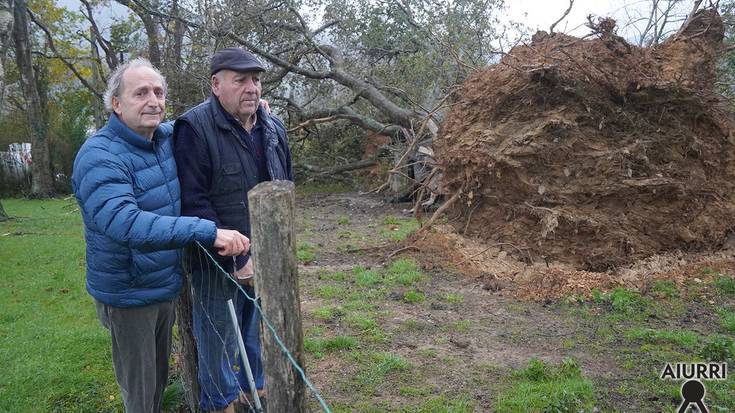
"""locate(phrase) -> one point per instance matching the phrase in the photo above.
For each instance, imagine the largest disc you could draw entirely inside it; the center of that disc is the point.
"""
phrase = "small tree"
(42, 183)
(3, 214)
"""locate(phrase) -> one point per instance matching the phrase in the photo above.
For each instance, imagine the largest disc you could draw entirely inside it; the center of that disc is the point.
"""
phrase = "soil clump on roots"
(592, 152)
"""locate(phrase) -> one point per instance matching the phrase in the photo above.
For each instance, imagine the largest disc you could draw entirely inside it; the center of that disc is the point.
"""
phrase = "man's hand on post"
(230, 243)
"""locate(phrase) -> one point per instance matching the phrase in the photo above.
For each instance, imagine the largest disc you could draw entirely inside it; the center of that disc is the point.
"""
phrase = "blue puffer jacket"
(129, 197)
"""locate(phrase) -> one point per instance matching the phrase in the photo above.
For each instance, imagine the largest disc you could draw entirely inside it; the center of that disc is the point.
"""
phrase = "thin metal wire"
(205, 311)
(290, 357)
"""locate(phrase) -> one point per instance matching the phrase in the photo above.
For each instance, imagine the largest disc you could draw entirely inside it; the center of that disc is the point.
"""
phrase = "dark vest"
(234, 171)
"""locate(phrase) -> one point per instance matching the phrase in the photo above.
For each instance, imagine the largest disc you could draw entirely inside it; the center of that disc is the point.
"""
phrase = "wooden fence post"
(276, 283)
(188, 348)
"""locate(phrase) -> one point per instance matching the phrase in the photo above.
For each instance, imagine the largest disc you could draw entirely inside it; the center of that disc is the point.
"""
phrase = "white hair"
(115, 85)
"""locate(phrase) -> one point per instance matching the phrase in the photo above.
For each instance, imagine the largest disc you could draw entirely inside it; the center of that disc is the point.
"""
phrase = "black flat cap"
(234, 58)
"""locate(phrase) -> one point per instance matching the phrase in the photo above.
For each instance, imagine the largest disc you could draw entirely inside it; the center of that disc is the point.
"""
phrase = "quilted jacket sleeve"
(106, 196)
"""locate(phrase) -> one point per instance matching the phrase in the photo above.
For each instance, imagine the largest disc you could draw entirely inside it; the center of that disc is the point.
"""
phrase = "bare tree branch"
(311, 74)
(353, 166)
(343, 112)
(651, 22)
(396, 114)
(67, 63)
(143, 11)
(689, 18)
(110, 57)
(566, 13)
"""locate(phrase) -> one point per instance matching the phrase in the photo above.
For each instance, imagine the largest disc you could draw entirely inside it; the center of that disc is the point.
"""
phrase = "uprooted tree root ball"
(593, 152)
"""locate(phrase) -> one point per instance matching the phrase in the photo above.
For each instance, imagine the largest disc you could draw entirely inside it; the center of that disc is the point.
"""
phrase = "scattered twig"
(469, 217)
(19, 233)
(441, 210)
(410, 247)
(417, 205)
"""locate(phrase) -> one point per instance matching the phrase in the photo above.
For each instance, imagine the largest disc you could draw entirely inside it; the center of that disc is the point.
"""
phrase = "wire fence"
(221, 372)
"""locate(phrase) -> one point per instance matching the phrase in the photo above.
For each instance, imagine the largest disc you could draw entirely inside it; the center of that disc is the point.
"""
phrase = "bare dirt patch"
(480, 319)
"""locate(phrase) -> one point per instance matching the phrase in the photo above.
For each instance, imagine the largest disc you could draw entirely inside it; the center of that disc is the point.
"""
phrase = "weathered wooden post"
(276, 283)
(188, 347)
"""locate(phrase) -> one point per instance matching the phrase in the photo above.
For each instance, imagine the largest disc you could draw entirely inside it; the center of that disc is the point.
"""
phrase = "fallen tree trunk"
(365, 163)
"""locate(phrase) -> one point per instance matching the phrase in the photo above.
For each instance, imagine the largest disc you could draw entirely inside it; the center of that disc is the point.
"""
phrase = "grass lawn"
(55, 356)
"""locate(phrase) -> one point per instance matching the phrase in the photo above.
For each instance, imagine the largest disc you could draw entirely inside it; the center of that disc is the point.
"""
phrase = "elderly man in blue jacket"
(224, 147)
(126, 184)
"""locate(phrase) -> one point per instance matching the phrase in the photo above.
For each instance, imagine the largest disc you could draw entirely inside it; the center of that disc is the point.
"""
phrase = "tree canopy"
(340, 71)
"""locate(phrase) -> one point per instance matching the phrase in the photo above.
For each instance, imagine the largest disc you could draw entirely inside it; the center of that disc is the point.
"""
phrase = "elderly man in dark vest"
(223, 148)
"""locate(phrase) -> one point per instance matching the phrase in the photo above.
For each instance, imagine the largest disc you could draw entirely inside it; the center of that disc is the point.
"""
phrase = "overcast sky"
(541, 14)
(536, 14)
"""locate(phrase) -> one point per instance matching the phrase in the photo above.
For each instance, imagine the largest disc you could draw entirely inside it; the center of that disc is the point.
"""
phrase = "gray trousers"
(141, 346)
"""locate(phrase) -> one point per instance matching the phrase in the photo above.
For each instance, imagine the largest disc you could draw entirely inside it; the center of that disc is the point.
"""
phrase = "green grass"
(666, 288)
(376, 366)
(366, 278)
(358, 304)
(404, 272)
(721, 394)
(334, 276)
(413, 297)
(55, 356)
(452, 298)
(727, 319)
(718, 348)
(725, 284)
(361, 322)
(173, 397)
(544, 388)
(318, 345)
(305, 252)
(625, 301)
(329, 291)
(460, 326)
(682, 338)
(398, 229)
(327, 313)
